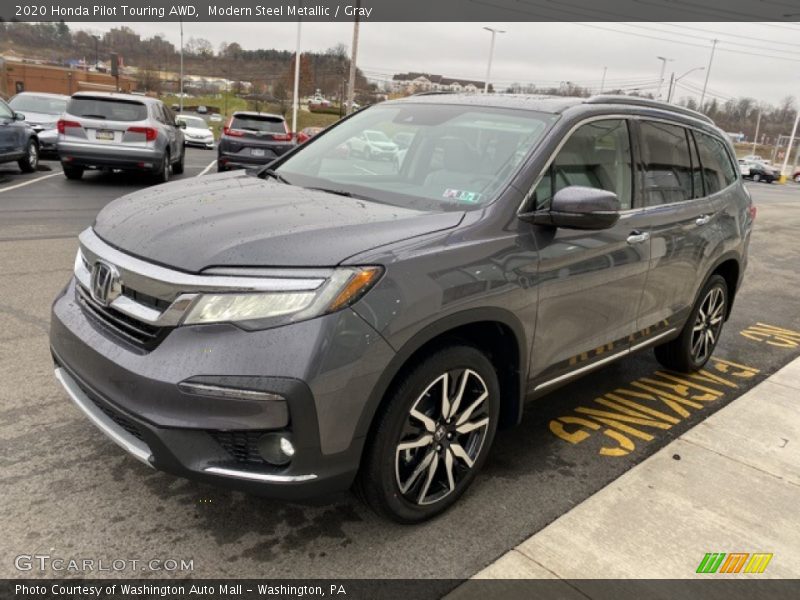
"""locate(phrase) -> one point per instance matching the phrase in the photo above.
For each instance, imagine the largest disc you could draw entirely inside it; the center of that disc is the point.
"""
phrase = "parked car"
(18, 141)
(796, 176)
(196, 131)
(307, 133)
(744, 167)
(201, 110)
(215, 118)
(758, 171)
(41, 113)
(105, 130)
(253, 139)
(316, 325)
(372, 145)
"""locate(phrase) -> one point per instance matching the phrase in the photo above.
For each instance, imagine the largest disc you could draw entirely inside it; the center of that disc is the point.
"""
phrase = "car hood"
(197, 131)
(241, 220)
(34, 118)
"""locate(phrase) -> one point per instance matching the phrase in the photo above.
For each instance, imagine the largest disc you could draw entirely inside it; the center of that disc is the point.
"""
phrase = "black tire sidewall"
(378, 480)
(715, 280)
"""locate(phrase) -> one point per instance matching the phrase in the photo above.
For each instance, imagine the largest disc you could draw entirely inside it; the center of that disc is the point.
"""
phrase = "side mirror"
(578, 207)
(19, 116)
(182, 124)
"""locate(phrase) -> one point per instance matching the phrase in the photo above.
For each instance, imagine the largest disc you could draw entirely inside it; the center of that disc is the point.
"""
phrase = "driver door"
(590, 282)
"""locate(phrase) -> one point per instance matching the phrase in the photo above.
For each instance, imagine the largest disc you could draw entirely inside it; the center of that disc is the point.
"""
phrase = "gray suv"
(104, 130)
(331, 321)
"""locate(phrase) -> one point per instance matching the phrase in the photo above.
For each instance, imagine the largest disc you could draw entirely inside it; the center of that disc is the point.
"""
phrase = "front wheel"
(756, 177)
(30, 161)
(693, 347)
(797, 178)
(432, 436)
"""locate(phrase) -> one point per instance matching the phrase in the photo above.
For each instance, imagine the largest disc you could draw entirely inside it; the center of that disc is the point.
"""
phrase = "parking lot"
(70, 492)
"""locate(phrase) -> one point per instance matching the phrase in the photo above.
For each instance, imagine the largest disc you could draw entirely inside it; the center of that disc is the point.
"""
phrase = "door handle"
(703, 220)
(637, 237)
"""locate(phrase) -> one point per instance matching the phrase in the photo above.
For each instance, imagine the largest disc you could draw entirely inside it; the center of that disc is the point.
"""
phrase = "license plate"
(256, 152)
(104, 134)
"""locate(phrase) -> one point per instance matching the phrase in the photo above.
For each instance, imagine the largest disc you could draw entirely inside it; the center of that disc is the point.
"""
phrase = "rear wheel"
(177, 168)
(30, 161)
(162, 175)
(220, 167)
(797, 178)
(433, 436)
(692, 349)
(72, 172)
(757, 177)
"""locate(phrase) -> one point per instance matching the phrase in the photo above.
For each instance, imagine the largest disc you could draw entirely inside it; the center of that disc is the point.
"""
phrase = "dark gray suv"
(332, 320)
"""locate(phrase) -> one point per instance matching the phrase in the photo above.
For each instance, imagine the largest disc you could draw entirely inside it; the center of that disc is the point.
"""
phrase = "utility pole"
(351, 84)
(789, 148)
(491, 56)
(664, 62)
(603, 81)
(180, 98)
(96, 54)
(708, 73)
(669, 90)
(296, 100)
(758, 126)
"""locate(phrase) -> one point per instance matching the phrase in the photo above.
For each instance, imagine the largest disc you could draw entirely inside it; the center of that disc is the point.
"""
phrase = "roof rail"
(639, 101)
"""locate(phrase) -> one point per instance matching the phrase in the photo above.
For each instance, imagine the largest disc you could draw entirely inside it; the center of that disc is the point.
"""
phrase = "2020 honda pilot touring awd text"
(331, 321)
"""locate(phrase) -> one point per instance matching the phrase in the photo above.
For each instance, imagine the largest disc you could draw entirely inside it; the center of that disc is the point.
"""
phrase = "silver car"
(42, 112)
(104, 130)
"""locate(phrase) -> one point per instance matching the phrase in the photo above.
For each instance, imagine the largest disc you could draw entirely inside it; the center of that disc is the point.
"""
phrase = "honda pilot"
(331, 322)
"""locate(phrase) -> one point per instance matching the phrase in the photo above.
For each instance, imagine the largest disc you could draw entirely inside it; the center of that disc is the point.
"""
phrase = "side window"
(597, 155)
(666, 164)
(718, 170)
(5, 111)
(168, 114)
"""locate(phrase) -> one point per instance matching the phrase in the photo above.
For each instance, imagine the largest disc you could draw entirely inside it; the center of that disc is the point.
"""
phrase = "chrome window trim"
(611, 117)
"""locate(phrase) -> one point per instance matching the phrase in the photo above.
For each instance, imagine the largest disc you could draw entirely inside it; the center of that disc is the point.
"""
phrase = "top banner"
(402, 10)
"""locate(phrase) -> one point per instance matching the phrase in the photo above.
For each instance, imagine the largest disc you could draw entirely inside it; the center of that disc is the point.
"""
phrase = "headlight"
(258, 310)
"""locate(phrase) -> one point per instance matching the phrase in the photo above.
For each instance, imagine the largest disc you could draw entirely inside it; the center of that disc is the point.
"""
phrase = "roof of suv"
(116, 96)
(252, 113)
(549, 104)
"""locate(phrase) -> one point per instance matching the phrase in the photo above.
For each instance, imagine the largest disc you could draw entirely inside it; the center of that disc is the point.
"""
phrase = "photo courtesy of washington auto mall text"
(411, 300)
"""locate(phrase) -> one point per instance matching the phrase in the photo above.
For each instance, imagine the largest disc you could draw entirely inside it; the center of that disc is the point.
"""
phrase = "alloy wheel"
(442, 436)
(33, 156)
(708, 324)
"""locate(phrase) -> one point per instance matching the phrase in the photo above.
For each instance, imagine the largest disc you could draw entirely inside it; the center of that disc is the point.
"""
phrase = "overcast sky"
(543, 53)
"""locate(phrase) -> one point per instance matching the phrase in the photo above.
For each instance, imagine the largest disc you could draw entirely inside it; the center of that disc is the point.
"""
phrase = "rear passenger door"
(590, 282)
(679, 217)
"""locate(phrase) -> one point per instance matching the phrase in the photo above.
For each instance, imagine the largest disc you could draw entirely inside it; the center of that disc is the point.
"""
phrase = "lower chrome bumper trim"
(266, 477)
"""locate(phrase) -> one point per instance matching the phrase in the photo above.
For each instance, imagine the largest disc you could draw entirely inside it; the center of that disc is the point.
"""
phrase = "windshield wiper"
(274, 174)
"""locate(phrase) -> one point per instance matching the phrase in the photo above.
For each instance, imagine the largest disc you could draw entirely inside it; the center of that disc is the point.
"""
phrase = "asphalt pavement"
(69, 492)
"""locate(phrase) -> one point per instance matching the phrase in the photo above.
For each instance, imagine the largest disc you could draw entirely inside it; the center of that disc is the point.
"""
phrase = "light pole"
(180, 97)
(351, 82)
(789, 148)
(758, 127)
(296, 100)
(491, 55)
(708, 72)
(603, 81)
(674, 80)
(664, 62)
(96, 55)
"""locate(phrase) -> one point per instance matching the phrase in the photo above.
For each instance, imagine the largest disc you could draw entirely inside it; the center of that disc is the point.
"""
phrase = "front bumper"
(200, 142)
(132, 396)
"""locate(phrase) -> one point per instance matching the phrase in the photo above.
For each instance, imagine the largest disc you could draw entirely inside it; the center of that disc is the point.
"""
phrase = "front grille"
(142, 298)
(117, 417)
(131, 330)
(241, 445)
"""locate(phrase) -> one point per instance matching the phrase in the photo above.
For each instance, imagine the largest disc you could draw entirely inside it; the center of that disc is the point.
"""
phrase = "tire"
(74, 173)
(162, 175)
(418, 482)
(29, 162)
(177, 168)
(797, 178)
(220, 168)
(757, 177)
(704, 323)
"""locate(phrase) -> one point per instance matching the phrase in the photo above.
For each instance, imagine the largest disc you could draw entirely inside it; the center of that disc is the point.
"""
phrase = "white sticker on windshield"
(462, 196)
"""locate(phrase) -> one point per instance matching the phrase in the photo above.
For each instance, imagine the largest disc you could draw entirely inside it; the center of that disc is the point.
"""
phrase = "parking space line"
(207, 169)
(30, 181)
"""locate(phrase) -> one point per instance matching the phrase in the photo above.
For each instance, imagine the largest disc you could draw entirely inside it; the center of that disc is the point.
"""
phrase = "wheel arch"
(496, 331)
(730, 268)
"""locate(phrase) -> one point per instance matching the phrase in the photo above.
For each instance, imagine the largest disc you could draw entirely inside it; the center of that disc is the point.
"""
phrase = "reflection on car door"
(590, 282)
(8, 130)
(679, 217)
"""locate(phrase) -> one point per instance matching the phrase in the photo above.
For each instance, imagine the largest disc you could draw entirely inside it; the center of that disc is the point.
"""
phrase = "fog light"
(276, 448)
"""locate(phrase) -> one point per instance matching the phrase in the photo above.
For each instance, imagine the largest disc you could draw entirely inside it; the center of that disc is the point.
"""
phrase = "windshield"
(107, 108)
(196, 122)
(38, 104)
(256, 123)
(451, 158)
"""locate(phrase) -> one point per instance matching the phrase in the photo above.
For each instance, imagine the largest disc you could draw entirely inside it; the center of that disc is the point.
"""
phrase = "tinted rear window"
(263, 124)
(108, 109)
